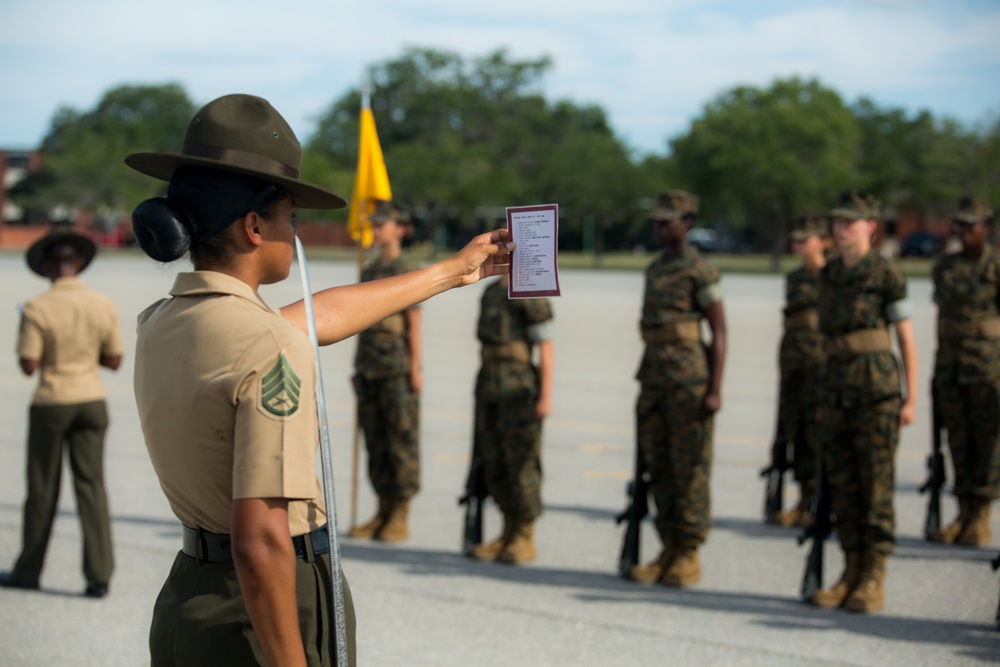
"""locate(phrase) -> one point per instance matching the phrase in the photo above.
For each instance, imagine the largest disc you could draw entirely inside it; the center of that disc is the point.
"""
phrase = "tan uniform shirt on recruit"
(66, 330)
(226, 394)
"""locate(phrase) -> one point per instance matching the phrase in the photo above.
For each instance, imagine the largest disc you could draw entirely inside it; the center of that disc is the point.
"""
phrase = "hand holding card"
(534, 269)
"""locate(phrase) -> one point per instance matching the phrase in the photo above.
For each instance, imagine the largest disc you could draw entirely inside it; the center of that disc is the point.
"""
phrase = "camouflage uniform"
(674, 374)
(861, 398)
(507, 430)
(800, 359)
(389, 411)
(967, 369)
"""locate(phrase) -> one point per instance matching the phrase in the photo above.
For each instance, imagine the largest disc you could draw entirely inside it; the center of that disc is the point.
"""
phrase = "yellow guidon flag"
(371, 181)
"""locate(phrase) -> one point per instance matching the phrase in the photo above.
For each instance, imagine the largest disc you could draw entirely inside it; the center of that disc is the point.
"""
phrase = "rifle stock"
(818, 532)
(474, 498)
(936, 476)
(637, 491)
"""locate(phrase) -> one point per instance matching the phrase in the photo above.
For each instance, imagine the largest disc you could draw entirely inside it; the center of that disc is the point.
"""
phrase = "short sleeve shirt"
(503, 320)
(384, 351)
(865, 296)
(967, 290)
(678, 289)
(226, 394)
(67, 330)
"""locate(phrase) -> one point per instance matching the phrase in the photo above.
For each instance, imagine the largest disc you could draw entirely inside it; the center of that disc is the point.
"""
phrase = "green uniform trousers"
(677, 447)
(80, 428)
(508, 437)
(389, 413)
(200, 620)
(859, 456)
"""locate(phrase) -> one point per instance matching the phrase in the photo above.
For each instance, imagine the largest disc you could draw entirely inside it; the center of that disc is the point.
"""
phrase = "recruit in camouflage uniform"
(861, 294)
(388, 399)
(800, 360)
(512, 398)
(680, 391)
(967, 371)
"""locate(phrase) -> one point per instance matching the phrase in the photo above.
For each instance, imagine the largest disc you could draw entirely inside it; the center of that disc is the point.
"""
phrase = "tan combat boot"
(684, 570)
(396, 527)
(521, 547)
(869, 594)
(833, 597)
(976, 531)
(799, 515)
(650, 573)
(490, 550)
(369, 528)
(948, 534)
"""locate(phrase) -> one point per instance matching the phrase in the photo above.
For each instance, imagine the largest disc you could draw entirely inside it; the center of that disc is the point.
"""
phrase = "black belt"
(208, 547)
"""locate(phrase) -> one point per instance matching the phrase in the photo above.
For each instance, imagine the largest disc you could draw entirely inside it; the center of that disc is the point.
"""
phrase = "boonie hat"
(674, 204)
(39, 250)
(854, 206)
(970, 211)
(808, 226)
(242, 134)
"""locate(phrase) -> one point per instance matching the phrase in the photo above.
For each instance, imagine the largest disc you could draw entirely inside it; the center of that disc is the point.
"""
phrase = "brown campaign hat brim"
(163, 166)
(39, 249)
(243, 134)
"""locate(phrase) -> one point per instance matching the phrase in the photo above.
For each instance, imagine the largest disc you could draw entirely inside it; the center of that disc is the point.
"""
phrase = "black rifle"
(821, 528)
(637, 491)
(775, 472)
(996, 566)
(936, 476)
(473, 499)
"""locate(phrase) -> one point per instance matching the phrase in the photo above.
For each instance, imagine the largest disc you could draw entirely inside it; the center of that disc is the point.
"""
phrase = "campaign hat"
(246, 135)
(60, 234)
(674, 204)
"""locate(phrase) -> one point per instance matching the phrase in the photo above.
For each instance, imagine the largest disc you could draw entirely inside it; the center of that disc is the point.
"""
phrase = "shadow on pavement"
(980, 641)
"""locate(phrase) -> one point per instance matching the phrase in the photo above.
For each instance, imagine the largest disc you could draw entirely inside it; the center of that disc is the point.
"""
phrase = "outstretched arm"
(344, 311)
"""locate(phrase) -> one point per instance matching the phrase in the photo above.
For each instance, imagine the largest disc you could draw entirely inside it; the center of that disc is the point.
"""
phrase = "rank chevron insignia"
(279, 389)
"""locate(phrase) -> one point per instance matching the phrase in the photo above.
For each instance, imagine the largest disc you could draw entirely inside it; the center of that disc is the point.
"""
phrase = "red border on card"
(511, 294)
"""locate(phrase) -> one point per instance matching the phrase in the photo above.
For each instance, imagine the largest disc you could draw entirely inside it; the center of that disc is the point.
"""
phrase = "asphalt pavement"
(422, 603)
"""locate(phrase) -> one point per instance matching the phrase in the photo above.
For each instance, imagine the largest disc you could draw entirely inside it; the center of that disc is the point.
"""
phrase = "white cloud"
(651, 64)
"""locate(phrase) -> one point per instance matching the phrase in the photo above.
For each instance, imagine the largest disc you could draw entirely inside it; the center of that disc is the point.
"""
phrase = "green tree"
(760, 157)
(463, 138)
(83, 150)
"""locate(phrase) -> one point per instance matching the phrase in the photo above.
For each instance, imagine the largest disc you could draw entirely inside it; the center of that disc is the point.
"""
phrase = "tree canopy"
(464, 137)
(83, 151)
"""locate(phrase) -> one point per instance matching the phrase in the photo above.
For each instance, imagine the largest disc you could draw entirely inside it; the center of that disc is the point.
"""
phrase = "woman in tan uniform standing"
(225, 385)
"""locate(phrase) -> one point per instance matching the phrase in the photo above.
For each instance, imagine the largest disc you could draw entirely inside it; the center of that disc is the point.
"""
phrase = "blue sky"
(651, 64)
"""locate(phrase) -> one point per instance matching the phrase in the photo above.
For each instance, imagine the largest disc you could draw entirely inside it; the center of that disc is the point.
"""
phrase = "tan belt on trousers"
(803, 320)
(862, 341)
(986, 327)
(673, 331)
(514, 350)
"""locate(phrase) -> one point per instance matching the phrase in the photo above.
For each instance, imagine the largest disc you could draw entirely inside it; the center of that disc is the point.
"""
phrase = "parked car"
(921, 244)
(705, 240)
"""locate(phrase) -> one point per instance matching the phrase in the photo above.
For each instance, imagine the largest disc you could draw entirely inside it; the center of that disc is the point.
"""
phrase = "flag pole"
(355, 441)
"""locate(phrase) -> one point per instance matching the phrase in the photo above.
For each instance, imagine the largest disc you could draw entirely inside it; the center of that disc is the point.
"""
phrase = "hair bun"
(162, 228)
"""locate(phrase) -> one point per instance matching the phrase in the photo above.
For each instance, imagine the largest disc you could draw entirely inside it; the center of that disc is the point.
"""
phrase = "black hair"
(201, 203)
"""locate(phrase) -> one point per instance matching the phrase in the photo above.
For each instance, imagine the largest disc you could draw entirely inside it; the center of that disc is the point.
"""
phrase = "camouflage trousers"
(508, 437)
(971, 415)
(798, 412)
(859, 457)
(677, 448)
(389, 414)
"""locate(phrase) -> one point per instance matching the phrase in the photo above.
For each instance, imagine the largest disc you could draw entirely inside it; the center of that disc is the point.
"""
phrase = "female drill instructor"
(224, 385)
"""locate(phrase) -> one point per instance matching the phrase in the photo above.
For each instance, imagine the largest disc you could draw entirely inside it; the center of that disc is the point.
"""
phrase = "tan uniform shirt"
(67, 330)
(226, 394)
